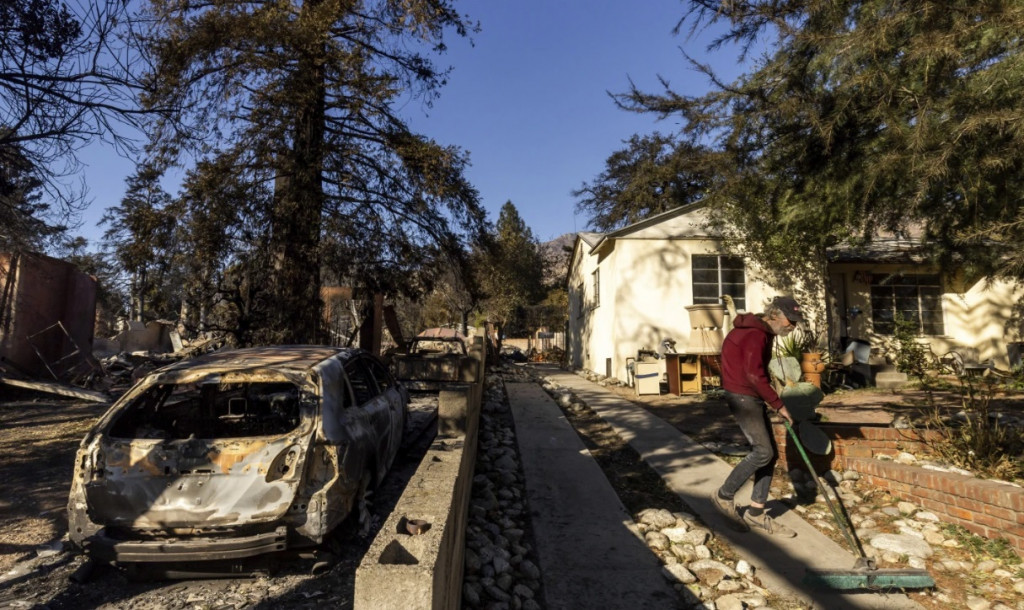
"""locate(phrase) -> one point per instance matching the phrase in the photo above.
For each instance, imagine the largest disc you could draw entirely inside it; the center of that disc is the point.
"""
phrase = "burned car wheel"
(236, 454)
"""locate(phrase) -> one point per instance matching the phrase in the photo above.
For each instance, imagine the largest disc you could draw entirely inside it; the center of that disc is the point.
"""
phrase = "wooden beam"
(57, 388)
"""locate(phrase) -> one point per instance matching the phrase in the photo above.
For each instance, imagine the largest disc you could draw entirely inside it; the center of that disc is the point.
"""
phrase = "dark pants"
(752, 416)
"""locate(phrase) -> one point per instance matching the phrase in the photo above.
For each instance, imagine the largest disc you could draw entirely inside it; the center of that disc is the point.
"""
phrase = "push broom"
(865, 574)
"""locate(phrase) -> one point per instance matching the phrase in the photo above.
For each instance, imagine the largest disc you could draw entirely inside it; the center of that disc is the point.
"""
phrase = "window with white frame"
(597, 287)
(718, 274)
(914, 297)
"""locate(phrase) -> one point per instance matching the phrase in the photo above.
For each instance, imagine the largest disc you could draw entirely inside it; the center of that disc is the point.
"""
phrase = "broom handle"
(848, 534)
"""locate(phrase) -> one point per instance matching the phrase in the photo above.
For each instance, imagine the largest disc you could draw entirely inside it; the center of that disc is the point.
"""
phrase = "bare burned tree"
(64, 81)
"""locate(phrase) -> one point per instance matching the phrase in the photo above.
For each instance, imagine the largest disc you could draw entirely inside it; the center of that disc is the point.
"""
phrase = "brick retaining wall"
(987, 508)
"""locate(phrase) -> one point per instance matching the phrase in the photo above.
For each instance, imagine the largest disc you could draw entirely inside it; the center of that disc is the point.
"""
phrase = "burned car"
(431, 362)
(422, 346)
(236, 454)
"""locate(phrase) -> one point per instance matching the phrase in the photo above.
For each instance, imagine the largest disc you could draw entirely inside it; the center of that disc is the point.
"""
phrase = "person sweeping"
(746, 352)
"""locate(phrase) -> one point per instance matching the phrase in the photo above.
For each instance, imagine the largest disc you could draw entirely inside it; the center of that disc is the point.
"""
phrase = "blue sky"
(528, 101)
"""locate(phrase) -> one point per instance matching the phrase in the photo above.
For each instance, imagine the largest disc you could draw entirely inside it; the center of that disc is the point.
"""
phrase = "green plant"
(999, 549)
(908, 354)
(808, 340)
(1016, 381)
(788, 347)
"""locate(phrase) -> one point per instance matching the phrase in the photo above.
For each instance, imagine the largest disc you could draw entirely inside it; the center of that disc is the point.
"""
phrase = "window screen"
(715, 275)
(917, 298)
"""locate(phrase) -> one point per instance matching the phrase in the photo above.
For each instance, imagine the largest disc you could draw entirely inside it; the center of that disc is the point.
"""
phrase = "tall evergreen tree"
(512, 274)
(224, 231)
(141, 237)
(25, 219)
(866, 116)
(653, 174)
(300, 95)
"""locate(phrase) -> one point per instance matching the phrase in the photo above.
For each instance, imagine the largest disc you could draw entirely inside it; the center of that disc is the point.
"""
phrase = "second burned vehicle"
(236, 454)
(432, 361)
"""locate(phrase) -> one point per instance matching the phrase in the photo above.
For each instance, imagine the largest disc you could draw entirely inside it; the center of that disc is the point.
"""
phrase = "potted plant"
(809, 343)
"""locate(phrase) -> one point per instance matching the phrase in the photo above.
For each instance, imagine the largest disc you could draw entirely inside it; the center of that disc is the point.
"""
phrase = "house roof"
(885, 248)
(597, 240)
(589, 238)
(879, 251)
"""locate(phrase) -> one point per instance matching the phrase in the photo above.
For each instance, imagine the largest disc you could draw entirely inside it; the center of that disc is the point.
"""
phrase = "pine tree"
(512, 274)
(653, 174)
(141, 237)
(300, 97)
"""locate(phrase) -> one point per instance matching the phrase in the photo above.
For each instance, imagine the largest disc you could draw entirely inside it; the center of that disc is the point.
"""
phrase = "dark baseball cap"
(790, 308)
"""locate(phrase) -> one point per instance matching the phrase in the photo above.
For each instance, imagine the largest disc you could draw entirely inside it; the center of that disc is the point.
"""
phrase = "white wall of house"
(976, 315)
(645, 284)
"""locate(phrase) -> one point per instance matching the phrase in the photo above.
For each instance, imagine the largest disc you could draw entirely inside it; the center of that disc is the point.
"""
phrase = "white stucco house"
(629, 289)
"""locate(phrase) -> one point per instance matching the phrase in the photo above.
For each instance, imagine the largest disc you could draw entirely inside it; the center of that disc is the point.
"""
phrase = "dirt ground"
(37, 447)
(41, 433)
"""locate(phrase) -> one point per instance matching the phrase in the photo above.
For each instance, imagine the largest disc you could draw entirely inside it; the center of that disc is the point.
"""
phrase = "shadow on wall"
(643, 319)
(981, 324)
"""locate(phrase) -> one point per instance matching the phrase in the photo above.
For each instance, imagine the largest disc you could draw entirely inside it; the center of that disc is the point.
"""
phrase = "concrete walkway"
(589, 555)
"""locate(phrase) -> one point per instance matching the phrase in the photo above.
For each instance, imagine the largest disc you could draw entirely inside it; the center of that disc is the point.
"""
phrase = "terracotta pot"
(812, 363)
(814, 378)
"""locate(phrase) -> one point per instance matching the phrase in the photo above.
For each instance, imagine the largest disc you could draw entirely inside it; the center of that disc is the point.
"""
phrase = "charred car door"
(398, 404)
(374, 407)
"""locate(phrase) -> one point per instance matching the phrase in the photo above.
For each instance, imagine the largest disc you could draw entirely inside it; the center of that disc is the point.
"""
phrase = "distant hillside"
(556, 254)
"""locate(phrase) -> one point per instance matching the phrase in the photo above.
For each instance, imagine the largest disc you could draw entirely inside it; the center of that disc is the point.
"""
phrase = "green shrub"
(908, 354)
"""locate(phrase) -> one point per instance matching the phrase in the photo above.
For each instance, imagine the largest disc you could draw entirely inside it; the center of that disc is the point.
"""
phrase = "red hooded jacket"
(746, 352)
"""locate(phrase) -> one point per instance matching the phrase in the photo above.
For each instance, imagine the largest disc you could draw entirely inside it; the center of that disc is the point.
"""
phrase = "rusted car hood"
(196, 483)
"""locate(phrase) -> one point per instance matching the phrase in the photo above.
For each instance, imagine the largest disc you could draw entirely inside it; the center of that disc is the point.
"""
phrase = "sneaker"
(728, 509)
(766, 524)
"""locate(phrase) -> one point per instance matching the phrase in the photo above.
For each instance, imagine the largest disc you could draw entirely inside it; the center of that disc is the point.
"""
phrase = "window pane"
(714, 276)
(880, 298)
(932, 322)
(931, 298)
(705, 299)
(916, 298)
(732, 276)
(705, 276)
(738, 294)
(705, 291)
(906, 303)
(883, 321)
(362, 384)
(732, 262)
(911, 316)
(703, 261)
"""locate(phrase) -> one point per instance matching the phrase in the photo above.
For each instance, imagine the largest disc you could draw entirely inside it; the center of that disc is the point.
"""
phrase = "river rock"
(902, 544)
